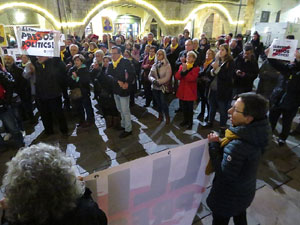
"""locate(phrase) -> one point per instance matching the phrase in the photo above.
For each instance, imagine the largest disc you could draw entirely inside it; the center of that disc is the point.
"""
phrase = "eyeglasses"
(235, 110)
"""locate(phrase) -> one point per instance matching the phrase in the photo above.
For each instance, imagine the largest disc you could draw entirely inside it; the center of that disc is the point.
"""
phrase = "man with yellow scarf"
(122, 74)
(235, 159)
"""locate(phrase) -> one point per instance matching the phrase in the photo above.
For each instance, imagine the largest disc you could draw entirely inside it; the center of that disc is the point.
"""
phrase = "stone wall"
(76, 11)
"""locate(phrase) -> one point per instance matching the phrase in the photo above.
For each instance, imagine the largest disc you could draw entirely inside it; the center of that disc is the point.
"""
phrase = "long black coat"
(51, 77)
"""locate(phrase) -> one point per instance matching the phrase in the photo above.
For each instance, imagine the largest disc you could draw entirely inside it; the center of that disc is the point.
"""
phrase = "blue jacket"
(235, 167)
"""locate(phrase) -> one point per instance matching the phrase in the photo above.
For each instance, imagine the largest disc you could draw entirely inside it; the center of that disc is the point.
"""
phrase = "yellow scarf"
(93, 51)
(229, 136)
(174, 47)
(62, 55)
(115, 63)
(189, 66)
(166, 45)
(151, 58)
(206, 63)
(150, 43)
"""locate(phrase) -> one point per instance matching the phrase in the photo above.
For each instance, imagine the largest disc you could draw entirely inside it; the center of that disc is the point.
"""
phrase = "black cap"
(248, 47)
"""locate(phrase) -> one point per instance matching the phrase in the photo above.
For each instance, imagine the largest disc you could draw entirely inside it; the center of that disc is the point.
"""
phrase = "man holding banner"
(285, 98)
(235, 159)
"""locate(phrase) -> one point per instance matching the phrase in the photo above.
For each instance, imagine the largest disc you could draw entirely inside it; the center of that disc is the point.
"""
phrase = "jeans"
(160, 99)
(10, 123)
(240, 219)
(50, 108)
(215, 104)
(122, 104)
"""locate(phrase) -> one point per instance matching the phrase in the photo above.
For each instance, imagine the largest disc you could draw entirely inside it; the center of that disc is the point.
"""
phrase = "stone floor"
(277, 198)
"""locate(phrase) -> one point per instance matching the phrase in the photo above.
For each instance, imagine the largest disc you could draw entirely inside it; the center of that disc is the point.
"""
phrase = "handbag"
(75, 94)
(167, 87)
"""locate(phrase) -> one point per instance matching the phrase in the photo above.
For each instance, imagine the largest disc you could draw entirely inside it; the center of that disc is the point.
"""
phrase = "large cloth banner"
(3, 40)
(283, 49)
(37, 42)
(162, 189)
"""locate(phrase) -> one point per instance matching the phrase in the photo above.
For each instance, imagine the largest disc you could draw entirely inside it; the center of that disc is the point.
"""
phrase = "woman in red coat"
(187, 90)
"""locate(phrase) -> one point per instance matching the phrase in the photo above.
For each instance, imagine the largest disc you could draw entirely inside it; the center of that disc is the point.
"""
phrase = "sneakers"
(125, 134)
(280, 142)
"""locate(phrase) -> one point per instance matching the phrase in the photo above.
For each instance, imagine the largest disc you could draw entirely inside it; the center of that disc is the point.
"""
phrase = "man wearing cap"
(246, 70)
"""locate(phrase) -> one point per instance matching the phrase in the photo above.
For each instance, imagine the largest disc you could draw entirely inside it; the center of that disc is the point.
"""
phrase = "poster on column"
(38, 42)
(165, 188)
(3, 40)
(283, 49)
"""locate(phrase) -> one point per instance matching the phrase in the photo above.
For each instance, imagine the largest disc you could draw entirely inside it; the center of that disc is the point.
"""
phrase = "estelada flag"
(3, 40)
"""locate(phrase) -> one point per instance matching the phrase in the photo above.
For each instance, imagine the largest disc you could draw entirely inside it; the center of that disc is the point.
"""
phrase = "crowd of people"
(117, 70)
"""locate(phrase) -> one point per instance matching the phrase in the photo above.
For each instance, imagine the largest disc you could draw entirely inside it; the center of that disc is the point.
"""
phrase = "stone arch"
(204, 14)
(100, 7)
(34, 8)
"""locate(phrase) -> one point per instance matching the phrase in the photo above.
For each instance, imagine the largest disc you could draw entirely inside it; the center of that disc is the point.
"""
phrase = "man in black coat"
(50, 77)
(21, 87)
(246, 70)
(285, 98)
(150, 41)
(6, 114)
(122, 74)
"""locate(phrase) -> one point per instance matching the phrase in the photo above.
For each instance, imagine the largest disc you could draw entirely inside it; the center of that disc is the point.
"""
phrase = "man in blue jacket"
(235, 159)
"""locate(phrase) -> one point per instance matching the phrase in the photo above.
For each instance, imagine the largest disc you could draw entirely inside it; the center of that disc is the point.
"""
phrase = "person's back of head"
(40, 185)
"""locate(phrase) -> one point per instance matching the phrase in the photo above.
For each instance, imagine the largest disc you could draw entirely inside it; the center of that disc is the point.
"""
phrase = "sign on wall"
(3, 40)
(283, 49)
(107, 24)
(162, 189)
(37, 42)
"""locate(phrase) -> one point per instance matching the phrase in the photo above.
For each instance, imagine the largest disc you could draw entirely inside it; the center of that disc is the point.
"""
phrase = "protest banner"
(15, 53)
(283, 49)
(162, 189)
(37, 42)
(3, 40)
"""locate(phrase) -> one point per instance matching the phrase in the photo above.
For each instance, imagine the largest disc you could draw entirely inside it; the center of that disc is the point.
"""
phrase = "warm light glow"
(107, 3)
(19, 17)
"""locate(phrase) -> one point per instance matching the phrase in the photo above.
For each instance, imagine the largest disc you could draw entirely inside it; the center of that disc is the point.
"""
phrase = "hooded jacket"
(235, 167)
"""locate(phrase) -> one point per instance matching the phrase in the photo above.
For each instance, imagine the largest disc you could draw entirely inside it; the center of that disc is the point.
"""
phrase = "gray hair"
(73, 45)
(165, 56)
(40, 185)
(99, 52)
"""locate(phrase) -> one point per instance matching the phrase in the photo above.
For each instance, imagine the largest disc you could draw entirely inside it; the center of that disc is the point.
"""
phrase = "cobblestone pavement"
(277, 198)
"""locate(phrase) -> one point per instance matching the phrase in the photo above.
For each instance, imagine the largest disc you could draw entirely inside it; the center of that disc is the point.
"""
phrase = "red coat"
(187, 90)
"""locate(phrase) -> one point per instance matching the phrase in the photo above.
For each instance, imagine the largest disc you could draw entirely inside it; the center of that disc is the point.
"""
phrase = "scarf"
(206, 63)
(151, 58)
(229, 136)
(62, 55)
(150, 43)
(189, 66)
(174, 47)
(93, 51)
(115, 63)
(166, 45)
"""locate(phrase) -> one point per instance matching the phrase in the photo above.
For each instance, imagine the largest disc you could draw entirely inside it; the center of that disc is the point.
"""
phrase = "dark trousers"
(215, 104)
(162, 104)
(83, 106)
(240, 219)
(188, 111)
(148, 92)
(50, 108)
(287, 119)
